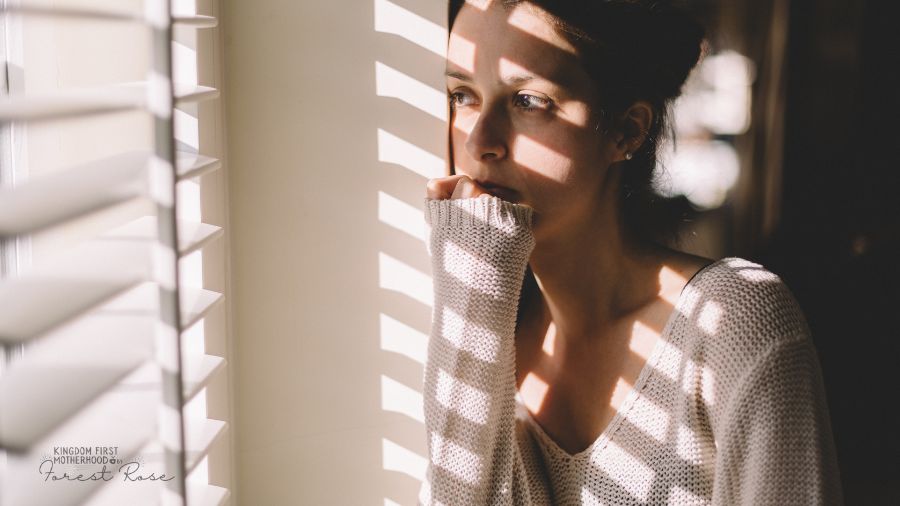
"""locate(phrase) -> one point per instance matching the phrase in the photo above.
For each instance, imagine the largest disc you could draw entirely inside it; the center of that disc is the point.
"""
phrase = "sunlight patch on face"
(508, 68)
(463, 124)
(481, 5)
(461, 52)
(531, 154)
(524, 18)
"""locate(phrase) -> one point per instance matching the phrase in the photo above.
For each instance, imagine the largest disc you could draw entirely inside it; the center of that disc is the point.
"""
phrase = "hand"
(458, 186)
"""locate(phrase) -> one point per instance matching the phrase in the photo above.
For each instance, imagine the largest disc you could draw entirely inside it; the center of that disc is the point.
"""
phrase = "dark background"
(837, 244)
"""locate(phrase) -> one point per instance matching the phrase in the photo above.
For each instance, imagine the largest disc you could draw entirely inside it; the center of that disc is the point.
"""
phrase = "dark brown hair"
(633, 50)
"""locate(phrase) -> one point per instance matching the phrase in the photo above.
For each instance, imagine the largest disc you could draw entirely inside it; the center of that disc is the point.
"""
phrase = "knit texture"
(729, 410)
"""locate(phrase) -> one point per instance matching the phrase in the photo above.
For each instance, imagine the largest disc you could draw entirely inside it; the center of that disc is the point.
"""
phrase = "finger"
(442, 187)
(464, 189)
(468, 188)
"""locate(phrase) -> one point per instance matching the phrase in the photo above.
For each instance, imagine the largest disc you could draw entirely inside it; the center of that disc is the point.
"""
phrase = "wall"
(330, 275)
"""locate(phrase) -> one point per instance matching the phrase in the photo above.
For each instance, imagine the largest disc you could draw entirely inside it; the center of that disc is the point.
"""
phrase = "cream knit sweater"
(729, 409)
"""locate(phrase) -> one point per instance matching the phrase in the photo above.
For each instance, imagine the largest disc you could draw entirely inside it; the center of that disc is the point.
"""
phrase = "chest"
(574, 395)
(662, 437)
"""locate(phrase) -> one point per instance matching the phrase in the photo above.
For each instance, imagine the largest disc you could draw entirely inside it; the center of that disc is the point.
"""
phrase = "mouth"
(501, 191)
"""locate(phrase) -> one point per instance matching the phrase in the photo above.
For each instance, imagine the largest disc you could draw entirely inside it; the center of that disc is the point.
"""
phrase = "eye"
(532, 102)
(460, 98)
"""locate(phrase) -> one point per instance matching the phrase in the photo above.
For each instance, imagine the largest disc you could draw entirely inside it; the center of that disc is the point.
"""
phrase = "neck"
(590, 276)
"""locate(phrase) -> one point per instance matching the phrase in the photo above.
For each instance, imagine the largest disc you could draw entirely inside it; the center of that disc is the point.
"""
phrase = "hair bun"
(678, 41)
(655, 43)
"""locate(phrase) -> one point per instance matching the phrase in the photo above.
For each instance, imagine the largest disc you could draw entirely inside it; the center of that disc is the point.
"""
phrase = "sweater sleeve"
(774, 443)
(479, 248)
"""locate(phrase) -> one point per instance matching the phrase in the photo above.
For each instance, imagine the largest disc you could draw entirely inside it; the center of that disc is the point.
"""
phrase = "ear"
(635, 123)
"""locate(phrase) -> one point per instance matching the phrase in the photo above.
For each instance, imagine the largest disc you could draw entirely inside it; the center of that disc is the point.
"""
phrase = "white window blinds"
(105, 369)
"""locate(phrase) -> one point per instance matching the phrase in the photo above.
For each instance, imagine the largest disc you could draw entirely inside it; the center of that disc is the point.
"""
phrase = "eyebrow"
(455, 74)
(515, 79)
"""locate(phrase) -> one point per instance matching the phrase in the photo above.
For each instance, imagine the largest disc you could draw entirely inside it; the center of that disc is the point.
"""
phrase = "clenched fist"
(458, 186)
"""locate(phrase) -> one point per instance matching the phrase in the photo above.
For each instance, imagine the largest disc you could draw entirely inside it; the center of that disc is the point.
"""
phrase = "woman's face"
(522, 114)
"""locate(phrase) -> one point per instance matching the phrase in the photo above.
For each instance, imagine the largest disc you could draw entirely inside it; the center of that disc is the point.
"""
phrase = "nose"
(486, 141)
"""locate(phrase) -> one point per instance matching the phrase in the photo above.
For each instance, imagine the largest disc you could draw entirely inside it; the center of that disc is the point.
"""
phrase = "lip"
(499, 191)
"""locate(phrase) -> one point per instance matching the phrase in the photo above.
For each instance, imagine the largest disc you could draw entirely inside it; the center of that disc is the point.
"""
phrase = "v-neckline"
(634, 393)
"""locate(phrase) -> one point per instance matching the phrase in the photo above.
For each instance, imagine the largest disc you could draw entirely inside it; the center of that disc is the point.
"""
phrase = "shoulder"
(739, 310)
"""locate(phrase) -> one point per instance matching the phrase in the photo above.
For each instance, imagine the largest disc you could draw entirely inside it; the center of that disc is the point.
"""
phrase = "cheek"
(462, 122)
(460, 126)
(564, 171)
(552, 163)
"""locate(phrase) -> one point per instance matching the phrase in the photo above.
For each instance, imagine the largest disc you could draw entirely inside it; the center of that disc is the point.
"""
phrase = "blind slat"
(193, 21)
(200, 436)
(90, 101)
(198, 372)
(124, 416)
(186, 93)
(70, 193)
(193, 165)
(98, 343)
(86, 355)
(206, 495)
(63, 372)
(144, 298)
(33, 305)
(37, 303)
(191, 235)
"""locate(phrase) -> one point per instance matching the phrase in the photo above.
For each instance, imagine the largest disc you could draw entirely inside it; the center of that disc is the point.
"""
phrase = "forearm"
(479, 250)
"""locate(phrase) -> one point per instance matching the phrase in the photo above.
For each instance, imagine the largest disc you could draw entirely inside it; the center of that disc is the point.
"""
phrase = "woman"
(576, 358)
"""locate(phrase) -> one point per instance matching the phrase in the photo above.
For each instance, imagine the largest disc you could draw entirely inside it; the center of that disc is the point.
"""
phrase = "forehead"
(490, 39)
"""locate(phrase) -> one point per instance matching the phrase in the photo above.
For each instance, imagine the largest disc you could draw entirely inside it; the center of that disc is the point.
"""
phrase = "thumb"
(463, 188)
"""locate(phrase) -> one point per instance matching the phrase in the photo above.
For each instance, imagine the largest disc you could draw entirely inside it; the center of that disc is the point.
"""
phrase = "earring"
(627, 155)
